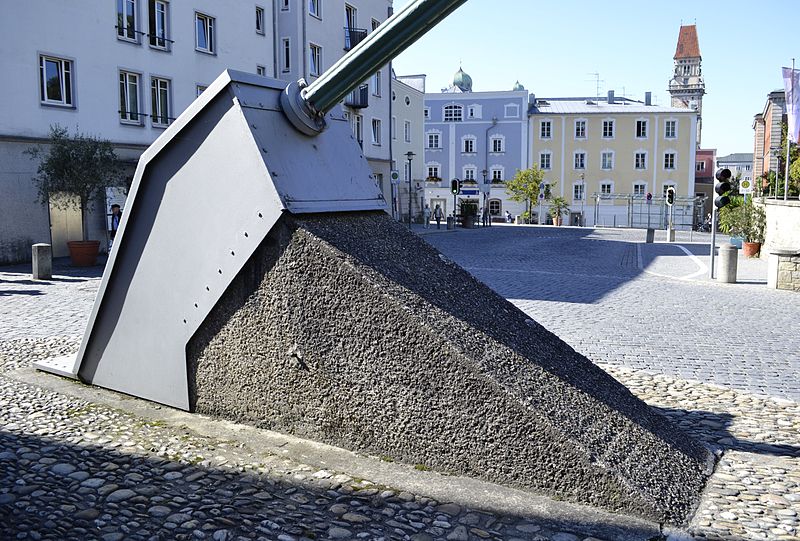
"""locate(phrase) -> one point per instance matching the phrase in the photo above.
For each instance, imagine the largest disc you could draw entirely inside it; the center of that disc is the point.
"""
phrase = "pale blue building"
(478, 137)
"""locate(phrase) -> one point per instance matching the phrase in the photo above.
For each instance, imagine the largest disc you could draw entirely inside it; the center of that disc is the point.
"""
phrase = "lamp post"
(485, 199)
(410, 156)
(583, 195)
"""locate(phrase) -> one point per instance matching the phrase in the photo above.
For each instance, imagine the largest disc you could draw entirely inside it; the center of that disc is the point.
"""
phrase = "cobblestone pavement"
(75, 469)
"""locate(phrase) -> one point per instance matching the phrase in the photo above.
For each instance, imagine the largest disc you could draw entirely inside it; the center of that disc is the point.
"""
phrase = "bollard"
(451, 222)
(651, 235)
(726, 272)
(670, 235)
(42, 261)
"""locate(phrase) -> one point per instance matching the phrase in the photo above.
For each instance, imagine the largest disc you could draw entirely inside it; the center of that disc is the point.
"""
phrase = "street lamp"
(485, 200)
(410, 156)
(775, 152)
(583, 196)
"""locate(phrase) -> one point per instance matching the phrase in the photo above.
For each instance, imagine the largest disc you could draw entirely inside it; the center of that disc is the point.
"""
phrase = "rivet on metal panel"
(264, 150)
(260, 215)
(208, 288)
(219, 271)
(233, 253)
(254, 126)
(245, 234)
(195, 305)
(184, 322)
(315, 147)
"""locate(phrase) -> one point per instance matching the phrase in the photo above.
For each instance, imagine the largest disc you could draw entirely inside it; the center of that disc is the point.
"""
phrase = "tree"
(525, 185)
(80, 165)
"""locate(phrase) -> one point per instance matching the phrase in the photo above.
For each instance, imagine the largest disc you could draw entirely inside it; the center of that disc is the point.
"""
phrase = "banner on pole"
(791, 84)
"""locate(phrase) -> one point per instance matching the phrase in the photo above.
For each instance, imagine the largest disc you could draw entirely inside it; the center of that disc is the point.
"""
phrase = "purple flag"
(791, 84)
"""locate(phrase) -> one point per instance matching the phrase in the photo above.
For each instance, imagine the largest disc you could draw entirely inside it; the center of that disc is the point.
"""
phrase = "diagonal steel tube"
(389, 40)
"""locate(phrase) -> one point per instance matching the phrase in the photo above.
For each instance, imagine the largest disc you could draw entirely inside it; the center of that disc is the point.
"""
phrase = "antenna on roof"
(597, 80)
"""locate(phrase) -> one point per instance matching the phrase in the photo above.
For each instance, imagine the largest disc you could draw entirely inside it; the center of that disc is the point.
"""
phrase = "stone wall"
(789, 272)
(783, 225)
(351, 330)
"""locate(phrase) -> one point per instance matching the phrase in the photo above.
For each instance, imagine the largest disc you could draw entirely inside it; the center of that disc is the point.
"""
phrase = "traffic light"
(455, 186)
(722, 187)
(670, 196)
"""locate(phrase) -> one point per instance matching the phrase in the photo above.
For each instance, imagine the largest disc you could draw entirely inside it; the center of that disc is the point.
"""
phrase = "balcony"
(358, 98)
(353, 36)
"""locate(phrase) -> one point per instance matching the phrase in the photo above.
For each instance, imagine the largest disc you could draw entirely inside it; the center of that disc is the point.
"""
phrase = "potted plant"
(746, 221)
(558, 208)
(80, 166)
(468, 211)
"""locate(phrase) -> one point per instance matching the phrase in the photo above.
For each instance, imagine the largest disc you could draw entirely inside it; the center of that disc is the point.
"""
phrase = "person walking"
(437, 215)
(426, 216)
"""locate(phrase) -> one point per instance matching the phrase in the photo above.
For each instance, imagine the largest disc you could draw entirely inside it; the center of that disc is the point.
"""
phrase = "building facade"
(704, 177)
(687, 86)
(740, 164)
(480, 138)
(408, 128)
(605, 157)
(767, 127)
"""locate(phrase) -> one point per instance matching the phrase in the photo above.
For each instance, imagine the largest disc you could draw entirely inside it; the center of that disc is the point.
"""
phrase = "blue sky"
(554, 48)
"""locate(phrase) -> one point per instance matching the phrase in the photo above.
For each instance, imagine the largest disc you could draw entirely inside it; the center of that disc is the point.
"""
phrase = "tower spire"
(687, 86)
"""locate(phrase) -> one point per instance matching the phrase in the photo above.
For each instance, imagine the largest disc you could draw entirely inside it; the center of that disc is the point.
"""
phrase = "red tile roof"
(688, 45)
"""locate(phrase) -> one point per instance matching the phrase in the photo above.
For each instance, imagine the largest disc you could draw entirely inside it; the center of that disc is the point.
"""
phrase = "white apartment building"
(123, 70)
(407, 128)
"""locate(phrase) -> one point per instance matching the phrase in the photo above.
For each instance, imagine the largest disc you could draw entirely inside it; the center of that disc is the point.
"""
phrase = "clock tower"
(686, 86)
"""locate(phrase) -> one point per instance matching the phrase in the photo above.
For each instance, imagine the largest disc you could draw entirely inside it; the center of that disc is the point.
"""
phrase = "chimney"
(648, 98)
(610, 97)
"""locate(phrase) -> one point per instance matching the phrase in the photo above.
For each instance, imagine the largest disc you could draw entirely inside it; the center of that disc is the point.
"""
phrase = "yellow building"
(606, 156)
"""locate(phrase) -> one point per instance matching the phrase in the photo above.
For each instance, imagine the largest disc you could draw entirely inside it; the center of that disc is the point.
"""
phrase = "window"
(285, 5)
(607, 160)
(157, 16)
(407, 131)
(315, 59)
(495, 207)
(471, 111)
(640, 160)
(580, 160)
(545, 129)
(577, 191)
(641, 129)
(376, 131)
(701, 166)
(512, 110)
(358, 128)
(406, 171)
(498, 145)
(608, 129)
(286, 60)
(669, 160)
(453, 113)
(126, 20)
(469, 145)
(544, 160)
(469, 173)
(376, 83)
(55, 81)
(670, 129)
(199, 89)
(606, 188)
(129, 98)
(665, 187)
(407, 101)
(393, 128)
(315, 8)
(204, 33)
(159, 104)
(433, 171)
(580, 129)
(261, 70)
(639, 189)
(497, 174)
(747, 167)
(433, 140)
(259, 20)
(426, 113)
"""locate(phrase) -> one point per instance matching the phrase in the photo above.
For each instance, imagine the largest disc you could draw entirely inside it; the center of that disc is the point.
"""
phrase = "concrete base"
(670, 235)
(42, 261)
(60, 366)
(726, 269)
(350, 330)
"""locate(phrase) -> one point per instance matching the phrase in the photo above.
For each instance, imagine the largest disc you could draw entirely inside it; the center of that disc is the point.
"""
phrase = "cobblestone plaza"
(720, 360)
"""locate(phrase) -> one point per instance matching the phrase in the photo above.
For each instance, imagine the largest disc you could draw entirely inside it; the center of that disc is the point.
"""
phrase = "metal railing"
(353, 36)
(358, 98)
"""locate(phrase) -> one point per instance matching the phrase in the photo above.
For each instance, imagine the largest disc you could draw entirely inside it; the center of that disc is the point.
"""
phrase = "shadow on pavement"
(62, 490)
(712, 429)
(63, 271)
(20, 292)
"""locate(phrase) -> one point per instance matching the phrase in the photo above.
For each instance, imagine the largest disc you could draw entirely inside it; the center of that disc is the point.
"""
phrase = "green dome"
(462, 81)
(518, 87)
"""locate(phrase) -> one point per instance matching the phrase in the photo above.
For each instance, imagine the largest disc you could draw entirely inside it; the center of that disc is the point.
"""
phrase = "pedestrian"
(508, 217)
(116, 216)
(426, 216)
(437, 215)
(485, 216)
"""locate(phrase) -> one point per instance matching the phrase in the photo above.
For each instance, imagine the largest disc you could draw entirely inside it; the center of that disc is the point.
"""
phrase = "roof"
(745, 157)
(688, 45)
(545, 106)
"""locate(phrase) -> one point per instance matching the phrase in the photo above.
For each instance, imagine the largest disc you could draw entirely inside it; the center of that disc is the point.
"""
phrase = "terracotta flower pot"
(751, 249)
(83, 253)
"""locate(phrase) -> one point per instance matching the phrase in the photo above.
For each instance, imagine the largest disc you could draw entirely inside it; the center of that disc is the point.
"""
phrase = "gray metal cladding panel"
(326, 173)
(200, 208)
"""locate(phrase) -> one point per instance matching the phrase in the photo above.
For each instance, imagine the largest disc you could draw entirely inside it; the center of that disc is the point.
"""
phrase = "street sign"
(395, 177)
(541, 196)
(745, 186)
(469, 191)
(649, 198)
